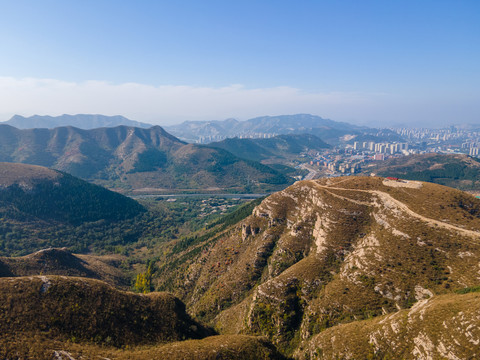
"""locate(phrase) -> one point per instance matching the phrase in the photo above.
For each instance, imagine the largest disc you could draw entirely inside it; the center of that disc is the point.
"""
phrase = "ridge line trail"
(405, 208)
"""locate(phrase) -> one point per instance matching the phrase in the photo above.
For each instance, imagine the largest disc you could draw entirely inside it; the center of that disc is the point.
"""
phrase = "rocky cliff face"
(332, 251)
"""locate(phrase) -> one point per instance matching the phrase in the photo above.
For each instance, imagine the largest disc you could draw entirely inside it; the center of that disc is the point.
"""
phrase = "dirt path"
(387, 198)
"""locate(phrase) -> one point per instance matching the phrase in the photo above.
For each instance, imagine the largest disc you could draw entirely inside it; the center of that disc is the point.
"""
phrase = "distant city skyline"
(368, 63)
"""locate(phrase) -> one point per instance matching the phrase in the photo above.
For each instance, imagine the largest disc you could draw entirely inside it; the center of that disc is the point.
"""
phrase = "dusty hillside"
(327, 252)
(62, 262)
(224, 347)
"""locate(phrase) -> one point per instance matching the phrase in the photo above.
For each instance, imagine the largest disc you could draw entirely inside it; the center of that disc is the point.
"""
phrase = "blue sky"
(367, 62)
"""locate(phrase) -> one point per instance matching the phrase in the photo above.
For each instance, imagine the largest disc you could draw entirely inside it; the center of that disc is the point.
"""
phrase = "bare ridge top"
(12, 173)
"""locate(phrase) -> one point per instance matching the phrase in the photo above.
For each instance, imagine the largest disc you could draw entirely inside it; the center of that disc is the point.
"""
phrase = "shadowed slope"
(45, 317)
(86, 309)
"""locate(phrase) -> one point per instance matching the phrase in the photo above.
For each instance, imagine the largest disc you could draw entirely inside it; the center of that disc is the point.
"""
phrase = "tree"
(143, 283)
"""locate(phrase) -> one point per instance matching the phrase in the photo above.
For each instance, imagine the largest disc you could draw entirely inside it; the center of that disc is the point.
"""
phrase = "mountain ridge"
(82, 121)
(326, 129)
(60, 261)
(128, 158)
(45, 317)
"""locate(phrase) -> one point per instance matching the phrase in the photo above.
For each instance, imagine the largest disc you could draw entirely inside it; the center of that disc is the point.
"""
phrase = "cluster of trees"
(150, 160)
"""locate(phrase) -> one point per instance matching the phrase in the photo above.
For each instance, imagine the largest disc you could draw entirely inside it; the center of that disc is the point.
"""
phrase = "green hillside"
(66, 199)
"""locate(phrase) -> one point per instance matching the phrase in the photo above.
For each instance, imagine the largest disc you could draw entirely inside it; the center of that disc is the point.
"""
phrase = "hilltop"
(89, 309)
(454, 170)
(45, 317)
(328, 252)
(129, 158)
(81, 121)
(60, 261)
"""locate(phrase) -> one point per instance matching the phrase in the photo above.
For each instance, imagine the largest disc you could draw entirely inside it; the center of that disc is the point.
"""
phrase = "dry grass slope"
(328, 252)
(59, 317)
(443, 327)
(60, 261)
(80, 309)
(238, 347)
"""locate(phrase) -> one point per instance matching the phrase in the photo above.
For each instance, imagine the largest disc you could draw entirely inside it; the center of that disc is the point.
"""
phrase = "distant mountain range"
(209, 131)
(131, 158)
(81, 121)
(204, 131)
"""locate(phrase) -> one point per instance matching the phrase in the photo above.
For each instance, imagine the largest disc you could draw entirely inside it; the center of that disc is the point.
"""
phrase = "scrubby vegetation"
(49, 317)
(88, 310)
(325, 253)
(67, 212)
(302, 267)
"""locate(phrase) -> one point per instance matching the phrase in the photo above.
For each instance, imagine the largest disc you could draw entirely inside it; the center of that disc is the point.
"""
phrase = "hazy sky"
(365, 62)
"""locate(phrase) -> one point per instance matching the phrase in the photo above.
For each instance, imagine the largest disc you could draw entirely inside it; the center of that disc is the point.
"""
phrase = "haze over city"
(369, 63)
